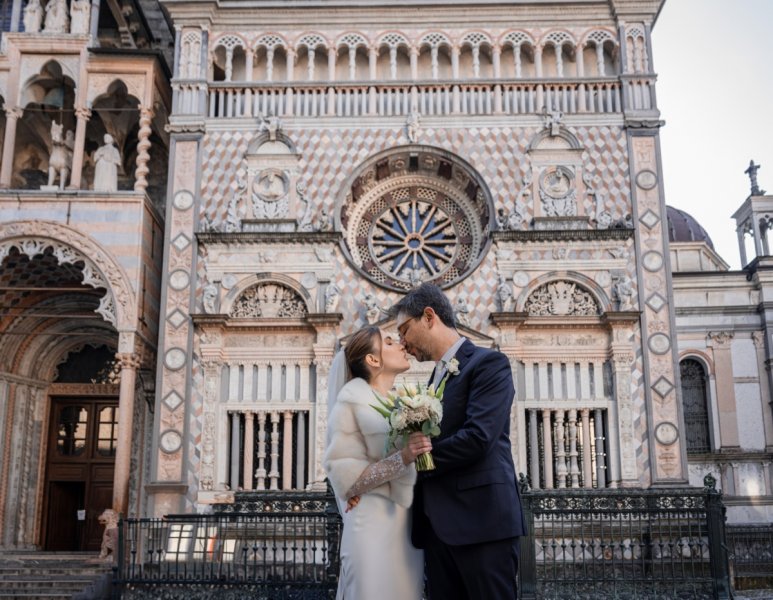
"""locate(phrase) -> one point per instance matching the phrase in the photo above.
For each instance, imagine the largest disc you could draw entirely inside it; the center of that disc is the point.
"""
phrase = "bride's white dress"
(378, 560)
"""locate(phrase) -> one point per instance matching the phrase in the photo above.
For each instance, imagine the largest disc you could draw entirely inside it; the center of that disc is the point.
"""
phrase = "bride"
(373, 488)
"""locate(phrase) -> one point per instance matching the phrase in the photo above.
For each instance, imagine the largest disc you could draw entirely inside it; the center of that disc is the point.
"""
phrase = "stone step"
(53, 575)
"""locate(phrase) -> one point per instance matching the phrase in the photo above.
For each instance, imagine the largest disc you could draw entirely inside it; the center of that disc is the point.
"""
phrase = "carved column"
(129, 363)
(249, 447)
(248, 74)
(621, 434)
(83, 115)
(287, 450)
(290, 64)
(721, 344)
(538, 61)
(414, 63)
(12, 116)
(143, 145)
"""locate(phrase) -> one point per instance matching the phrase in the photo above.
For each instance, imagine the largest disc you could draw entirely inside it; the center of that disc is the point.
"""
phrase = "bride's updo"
(363, 342)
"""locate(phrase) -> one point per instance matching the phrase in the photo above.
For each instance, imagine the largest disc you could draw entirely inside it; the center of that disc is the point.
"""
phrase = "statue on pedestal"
(57, 19)
(107, 159)
(60, 160)
(33, 16)
(80, 16)
(462, 311)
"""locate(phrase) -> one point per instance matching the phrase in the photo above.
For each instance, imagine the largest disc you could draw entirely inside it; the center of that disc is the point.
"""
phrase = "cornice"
(288, 237)
(315, 14)
(562, 235)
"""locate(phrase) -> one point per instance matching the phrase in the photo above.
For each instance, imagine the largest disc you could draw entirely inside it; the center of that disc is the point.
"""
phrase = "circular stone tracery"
(416, 215)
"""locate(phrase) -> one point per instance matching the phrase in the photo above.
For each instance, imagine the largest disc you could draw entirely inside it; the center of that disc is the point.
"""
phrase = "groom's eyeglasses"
(403, 329)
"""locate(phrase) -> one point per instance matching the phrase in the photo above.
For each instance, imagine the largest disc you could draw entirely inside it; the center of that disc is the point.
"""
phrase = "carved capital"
(14, 112)
(82, 113)
(622, 360)
(128, 360)
(720, 338)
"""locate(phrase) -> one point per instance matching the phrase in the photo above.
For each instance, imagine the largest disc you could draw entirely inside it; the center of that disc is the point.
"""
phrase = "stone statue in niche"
(332, 296)
(80, 14)
(57, 18)
(622, 292)
(504, 294)
(412, 126)
(107, 160)
(209, 299)
(33, 16)
(462, 311)
(60, 159)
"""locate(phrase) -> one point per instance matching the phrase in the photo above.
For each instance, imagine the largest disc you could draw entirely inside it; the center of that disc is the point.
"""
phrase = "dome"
(682, 227)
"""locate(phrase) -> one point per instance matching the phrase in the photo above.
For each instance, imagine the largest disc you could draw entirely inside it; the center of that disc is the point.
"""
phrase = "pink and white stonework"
(303, 168)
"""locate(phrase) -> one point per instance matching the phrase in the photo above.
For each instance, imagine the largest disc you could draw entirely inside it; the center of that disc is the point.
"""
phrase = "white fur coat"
(356, 436)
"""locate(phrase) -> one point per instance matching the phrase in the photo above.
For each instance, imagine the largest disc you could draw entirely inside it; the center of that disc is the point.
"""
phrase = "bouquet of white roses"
(413, 408)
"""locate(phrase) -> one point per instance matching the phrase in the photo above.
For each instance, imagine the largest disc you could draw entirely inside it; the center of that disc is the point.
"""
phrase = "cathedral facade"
(285, 172)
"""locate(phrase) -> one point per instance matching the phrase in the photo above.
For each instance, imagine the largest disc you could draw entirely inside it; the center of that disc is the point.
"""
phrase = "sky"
(714, 60)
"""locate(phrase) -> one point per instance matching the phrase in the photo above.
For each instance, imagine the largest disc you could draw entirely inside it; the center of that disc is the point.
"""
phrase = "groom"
(467, 512)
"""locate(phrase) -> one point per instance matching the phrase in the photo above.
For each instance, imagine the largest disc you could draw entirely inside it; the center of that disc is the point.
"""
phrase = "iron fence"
(751, 552)
(279, 546)
(582, 543)
(625, 544)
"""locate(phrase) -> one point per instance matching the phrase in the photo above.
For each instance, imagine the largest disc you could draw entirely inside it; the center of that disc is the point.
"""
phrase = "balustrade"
(268, 407)
(565, 423)
(235, 100)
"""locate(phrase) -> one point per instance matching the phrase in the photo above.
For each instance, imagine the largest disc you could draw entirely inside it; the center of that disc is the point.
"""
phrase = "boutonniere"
(453, 367)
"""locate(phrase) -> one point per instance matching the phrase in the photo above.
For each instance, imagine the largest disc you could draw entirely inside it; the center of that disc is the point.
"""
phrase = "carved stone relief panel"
(561, 298)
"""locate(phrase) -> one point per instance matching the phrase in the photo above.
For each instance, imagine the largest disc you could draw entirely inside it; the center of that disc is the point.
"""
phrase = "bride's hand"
(352, 502)
(418, 444)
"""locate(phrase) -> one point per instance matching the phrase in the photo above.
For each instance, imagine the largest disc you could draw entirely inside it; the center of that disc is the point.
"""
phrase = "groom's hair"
(426, 295)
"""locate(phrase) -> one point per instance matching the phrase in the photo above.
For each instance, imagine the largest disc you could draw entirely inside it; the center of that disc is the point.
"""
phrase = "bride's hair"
(363, 342)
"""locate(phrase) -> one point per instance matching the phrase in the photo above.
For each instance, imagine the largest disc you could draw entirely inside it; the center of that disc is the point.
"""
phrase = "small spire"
(752, 173)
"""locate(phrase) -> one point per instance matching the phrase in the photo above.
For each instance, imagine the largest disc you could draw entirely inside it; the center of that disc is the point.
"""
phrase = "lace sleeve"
(376, 474)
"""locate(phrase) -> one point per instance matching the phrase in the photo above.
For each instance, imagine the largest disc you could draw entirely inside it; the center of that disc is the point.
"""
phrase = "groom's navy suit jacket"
(472, 496)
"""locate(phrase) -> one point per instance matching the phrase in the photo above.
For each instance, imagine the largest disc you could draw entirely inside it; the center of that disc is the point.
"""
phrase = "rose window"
(414, 218)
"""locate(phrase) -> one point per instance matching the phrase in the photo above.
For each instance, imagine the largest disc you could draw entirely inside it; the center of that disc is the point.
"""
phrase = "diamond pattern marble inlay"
(173, 400)
(177, 318)
(663, 386)
(650, 219)
(656, 302)
(181, 242)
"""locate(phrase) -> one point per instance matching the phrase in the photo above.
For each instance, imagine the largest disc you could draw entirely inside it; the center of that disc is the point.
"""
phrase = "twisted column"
(143, 145)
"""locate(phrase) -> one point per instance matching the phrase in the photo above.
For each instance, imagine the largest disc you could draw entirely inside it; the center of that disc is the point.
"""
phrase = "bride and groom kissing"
(458, 524)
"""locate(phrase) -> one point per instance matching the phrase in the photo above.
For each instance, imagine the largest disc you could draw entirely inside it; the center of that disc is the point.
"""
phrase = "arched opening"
(115, 113)
(394, 62)
(57, 367)
(46, 132)
(695, 403)
(435, 61)
(352, 70)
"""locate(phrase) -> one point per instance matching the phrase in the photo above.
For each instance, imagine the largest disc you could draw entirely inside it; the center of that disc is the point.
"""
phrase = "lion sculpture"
(109, 518)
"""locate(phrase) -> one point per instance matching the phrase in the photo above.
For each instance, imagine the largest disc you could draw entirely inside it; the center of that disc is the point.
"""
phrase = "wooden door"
(79, 476)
